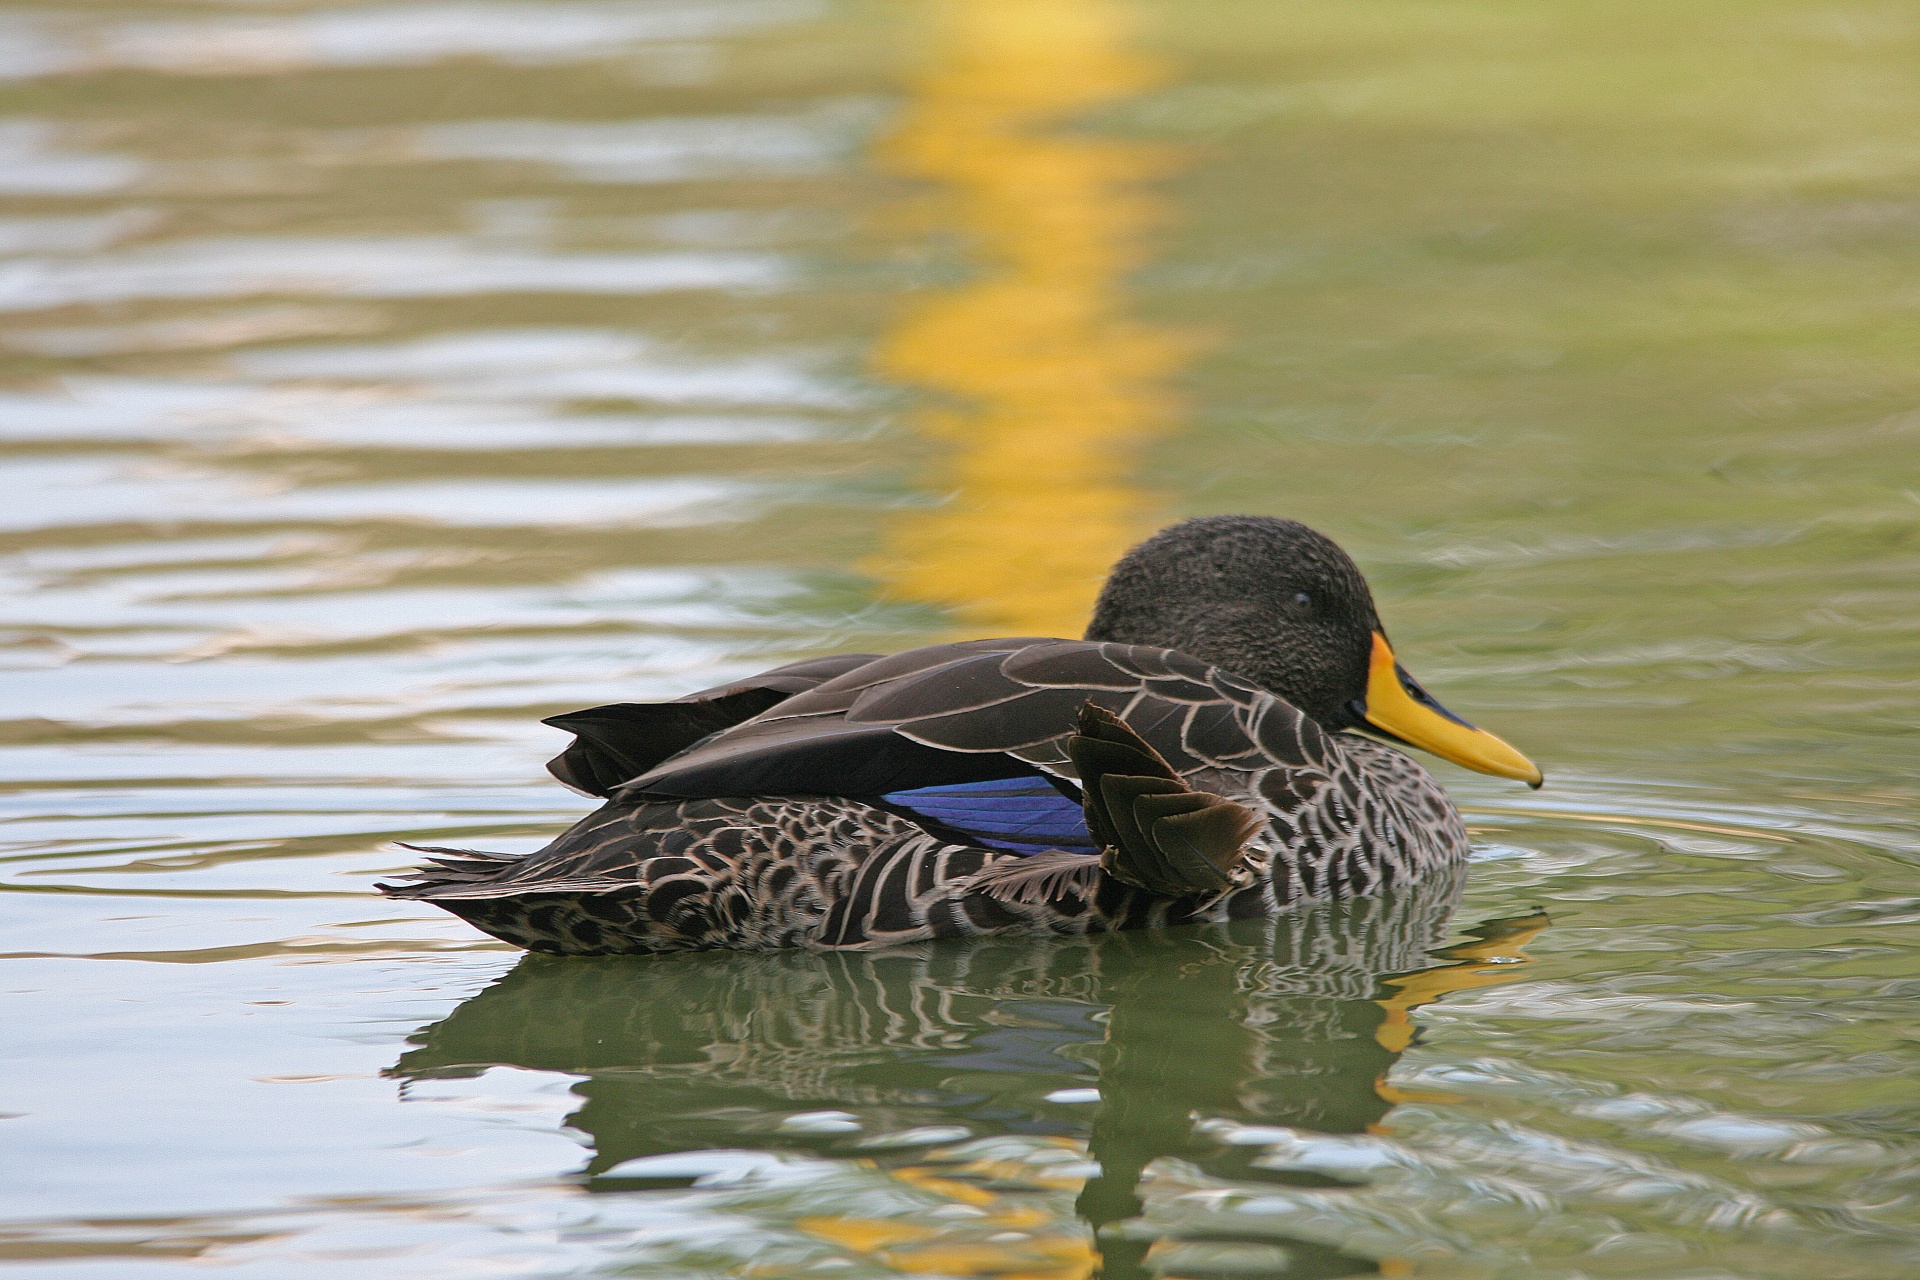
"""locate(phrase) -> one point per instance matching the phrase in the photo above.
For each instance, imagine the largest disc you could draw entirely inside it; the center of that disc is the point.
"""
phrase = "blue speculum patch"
(1020, 815)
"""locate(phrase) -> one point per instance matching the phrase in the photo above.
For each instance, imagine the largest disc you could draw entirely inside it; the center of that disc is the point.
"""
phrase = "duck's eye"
(1302, 599)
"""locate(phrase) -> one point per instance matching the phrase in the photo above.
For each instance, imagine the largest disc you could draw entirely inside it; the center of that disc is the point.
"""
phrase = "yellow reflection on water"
(1499, 946)
(1052, 388)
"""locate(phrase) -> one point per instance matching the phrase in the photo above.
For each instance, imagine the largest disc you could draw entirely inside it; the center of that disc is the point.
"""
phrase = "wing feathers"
(966, 686)
(1108, 757)
(1156, 833)
(912, 719)
(839, 693)
(621, 741)
(1204, 846)
(1066, 664)
(1151, 808)
(1007, 725)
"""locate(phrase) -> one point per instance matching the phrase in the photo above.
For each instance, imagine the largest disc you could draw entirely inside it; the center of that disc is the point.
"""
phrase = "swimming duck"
(1214, 749)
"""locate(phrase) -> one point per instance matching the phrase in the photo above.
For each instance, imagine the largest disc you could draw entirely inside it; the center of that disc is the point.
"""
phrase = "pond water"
(379, 377)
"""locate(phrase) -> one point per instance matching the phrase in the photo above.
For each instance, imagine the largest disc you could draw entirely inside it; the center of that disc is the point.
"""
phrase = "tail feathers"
(438, 888)
(475, 873)
(1156, 832)
(462, 859)
(482, 854)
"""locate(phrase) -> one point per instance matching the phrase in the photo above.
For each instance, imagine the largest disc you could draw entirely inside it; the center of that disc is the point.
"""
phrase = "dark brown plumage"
(1191, 743)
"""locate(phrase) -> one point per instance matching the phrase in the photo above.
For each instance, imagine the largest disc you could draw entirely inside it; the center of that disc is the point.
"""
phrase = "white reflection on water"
(187, 601)
(230, 326)
(661, 149)
(53, 492)
(33, 164)
(558, 364)
(293, 422)
(84, 234)
(411, 267)
(375, 35)
(461, 428)
(465, 676)
(470, 390)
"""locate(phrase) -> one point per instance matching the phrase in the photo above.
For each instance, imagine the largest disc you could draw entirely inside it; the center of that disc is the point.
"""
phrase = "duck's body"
(850, 853)
(1022, 786)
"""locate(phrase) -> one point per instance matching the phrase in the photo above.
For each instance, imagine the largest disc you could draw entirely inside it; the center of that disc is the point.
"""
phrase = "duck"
(1229, 740)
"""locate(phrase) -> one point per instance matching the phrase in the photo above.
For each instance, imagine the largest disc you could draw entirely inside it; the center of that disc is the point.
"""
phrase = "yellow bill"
(1397, 706)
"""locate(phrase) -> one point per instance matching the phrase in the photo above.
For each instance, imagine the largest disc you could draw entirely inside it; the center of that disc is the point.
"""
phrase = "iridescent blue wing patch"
(1020, 815)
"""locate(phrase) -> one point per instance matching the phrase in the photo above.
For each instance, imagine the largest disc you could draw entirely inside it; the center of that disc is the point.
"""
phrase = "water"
(380, 377)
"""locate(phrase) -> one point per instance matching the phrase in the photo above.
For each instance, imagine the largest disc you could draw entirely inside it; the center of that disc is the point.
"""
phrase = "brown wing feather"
(986, 709)
(1156, 833)
(625, 739)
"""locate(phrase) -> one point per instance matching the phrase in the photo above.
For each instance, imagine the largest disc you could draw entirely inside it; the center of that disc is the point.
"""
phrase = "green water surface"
(378, 377)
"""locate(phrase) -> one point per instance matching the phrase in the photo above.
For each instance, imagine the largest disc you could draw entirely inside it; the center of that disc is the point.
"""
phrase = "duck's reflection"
(1290, 1022)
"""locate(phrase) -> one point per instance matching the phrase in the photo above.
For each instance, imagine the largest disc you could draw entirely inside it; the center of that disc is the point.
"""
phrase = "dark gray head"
(1273, 602)
(1267, 599)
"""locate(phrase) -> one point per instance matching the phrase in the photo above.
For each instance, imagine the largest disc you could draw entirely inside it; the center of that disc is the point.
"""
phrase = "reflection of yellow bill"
(1485, 962)
(1396, 704)
(1054, 387)
(1009, 1241)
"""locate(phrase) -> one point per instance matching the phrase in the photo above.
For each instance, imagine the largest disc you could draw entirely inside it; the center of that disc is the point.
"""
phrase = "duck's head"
(1276, 603)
